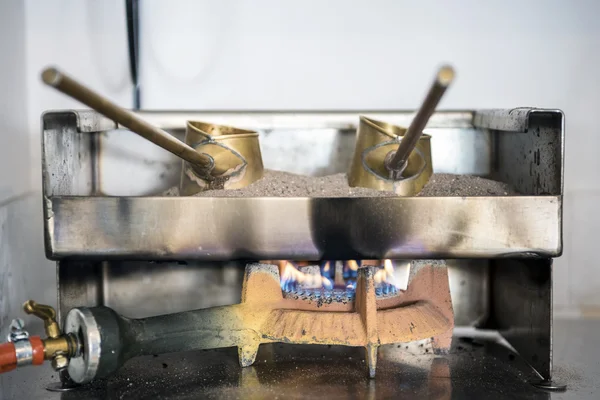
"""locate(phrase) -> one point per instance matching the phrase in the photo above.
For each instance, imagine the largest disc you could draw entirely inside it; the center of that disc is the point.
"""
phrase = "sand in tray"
(285, 184)
(441, 185)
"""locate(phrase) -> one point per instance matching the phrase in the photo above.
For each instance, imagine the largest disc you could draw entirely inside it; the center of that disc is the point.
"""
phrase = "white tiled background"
(311, 54)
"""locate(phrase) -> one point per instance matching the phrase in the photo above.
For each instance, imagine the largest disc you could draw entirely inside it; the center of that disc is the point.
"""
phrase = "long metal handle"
(69, 86)
(397, 164)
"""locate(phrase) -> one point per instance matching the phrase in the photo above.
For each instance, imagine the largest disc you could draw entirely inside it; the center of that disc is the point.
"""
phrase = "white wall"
(14, 141)
(24, 271)
(342, 54)
(86, 39)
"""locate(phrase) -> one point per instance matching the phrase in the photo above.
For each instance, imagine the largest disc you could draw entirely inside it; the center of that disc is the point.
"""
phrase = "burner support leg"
(434, 280)
(522, 312)
(441, 343)
(366, 306)
(247, 352)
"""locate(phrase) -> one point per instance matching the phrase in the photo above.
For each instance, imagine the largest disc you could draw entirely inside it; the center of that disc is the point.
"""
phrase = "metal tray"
(99, 182)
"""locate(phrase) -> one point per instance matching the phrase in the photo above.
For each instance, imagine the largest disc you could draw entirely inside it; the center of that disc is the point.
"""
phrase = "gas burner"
(268, 314)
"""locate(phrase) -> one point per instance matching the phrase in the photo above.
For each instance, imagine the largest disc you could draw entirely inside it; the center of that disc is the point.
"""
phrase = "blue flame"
(330, 288)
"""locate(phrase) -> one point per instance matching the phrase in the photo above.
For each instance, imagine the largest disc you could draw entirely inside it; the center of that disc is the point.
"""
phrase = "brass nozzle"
(57, 347)
(47, 314)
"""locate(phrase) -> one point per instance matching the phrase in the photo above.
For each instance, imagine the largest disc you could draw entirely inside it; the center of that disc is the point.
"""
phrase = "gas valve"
(22, 349)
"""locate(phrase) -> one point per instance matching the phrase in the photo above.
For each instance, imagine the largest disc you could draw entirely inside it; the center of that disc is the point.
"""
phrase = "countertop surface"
(479, 365)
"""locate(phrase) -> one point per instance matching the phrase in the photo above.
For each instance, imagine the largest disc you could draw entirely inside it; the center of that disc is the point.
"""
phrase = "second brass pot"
(375, 140)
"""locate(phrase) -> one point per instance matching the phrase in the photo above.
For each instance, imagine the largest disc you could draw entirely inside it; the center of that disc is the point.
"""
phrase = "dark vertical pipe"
(133, 23)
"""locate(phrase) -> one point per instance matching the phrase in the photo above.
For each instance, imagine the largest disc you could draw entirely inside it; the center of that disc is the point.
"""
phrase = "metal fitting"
(17, 331)
(23, 349)
(57, 347)
(24, 352)
(47, 314)
(84, 367)
(60, 362)
(66, 345)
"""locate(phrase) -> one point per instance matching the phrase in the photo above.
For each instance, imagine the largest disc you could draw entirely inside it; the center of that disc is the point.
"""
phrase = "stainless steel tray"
(98, 182)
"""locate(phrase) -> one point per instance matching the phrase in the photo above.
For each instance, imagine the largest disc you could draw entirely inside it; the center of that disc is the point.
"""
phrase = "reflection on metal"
(423, 311)
(522, 309)
(314, 229)
(375, 141)
(529, 146)
(469, 285)
(549, 385)
(234, 152)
